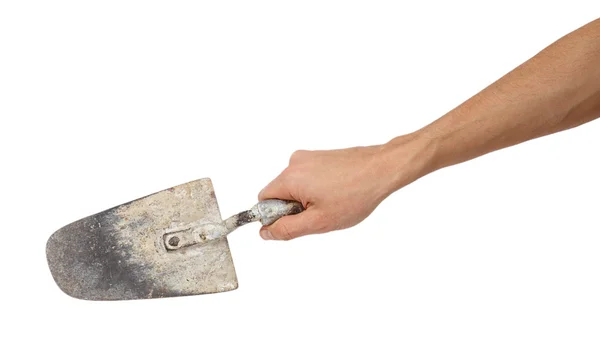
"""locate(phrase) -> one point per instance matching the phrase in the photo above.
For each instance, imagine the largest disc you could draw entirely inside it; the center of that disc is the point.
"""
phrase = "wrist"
(408, 158)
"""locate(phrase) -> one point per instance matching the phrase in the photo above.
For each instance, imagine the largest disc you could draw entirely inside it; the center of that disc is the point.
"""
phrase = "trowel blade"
(119, 254)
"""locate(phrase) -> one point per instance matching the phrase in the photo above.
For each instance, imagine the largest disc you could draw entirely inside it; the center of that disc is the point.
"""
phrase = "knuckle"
(284, 232)
(297, 155)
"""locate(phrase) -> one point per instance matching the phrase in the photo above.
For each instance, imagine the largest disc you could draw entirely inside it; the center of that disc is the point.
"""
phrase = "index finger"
(276, 189)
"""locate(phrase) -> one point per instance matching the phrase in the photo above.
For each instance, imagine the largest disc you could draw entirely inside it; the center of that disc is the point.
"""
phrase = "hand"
(338, 188)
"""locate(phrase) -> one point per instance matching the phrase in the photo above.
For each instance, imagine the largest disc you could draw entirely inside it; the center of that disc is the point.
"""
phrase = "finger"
(277, 189)
(293, 226)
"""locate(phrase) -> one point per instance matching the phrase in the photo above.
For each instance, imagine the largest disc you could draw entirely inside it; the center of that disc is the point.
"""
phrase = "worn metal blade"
(119, 254)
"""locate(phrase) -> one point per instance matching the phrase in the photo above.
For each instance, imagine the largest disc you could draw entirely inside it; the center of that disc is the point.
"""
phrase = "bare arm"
(557, 89)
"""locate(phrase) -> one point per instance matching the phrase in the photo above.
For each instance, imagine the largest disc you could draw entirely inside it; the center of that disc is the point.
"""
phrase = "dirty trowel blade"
(119, 254)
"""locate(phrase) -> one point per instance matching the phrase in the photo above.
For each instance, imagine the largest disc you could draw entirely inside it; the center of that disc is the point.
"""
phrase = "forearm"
(557, 89)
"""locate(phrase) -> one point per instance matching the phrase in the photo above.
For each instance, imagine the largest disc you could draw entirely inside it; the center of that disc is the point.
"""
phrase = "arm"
(557, 89)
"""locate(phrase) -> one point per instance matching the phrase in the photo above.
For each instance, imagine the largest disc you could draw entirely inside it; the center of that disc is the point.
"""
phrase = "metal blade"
(119, 254)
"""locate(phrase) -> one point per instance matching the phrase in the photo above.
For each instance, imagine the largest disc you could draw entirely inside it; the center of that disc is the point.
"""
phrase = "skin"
(557, 89)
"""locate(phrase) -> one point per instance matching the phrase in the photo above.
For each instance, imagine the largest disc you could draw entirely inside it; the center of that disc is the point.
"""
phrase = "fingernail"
(266, 235)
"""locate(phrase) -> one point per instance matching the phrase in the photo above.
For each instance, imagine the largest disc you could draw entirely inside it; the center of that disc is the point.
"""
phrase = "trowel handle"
(272, 210)
(266, 211)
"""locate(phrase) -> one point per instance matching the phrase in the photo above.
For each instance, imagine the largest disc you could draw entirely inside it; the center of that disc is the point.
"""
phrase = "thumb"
(293, 226)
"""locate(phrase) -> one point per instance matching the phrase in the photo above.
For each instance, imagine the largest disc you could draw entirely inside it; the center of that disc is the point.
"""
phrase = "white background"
(102, 102)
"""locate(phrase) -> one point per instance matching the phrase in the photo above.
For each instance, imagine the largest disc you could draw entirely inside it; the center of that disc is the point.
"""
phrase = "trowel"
(171, 243)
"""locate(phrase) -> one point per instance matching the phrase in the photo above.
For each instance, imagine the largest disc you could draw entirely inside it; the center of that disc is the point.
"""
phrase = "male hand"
(338, 188)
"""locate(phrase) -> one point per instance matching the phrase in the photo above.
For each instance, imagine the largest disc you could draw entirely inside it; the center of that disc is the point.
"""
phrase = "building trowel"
(171, 243)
